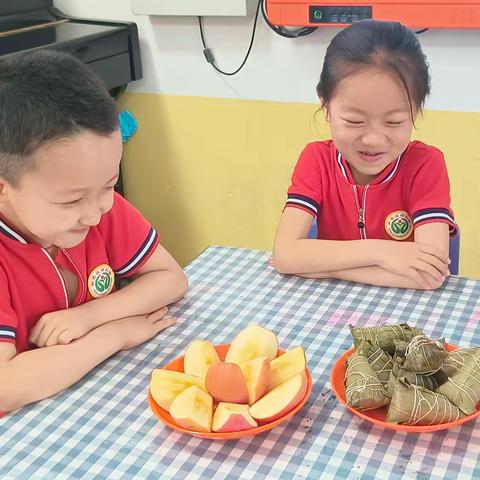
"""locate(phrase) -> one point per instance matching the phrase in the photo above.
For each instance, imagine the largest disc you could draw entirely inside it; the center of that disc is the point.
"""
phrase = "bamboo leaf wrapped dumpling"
(384, 336)
(378, 359)
(431, 382)
(458, 358)
(463, 387)
(414, 405)
(425, 356)
(363, 389)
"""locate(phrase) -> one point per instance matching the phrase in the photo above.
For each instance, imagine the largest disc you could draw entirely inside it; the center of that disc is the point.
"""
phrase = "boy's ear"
(3, 189)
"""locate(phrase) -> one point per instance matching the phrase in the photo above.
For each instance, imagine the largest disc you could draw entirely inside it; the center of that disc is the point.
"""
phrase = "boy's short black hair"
(45, 96)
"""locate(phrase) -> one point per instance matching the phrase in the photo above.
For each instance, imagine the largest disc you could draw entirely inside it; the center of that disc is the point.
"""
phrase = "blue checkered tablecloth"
(102, 427)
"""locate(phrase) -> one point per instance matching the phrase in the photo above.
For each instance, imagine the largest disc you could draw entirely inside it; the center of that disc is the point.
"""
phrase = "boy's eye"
(395, 124)
(73, 202)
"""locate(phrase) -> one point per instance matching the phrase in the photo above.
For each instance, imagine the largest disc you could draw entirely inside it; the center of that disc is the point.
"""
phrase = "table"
(102, 427)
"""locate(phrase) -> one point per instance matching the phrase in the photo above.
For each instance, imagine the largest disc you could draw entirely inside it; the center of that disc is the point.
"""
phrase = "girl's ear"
(325, 109)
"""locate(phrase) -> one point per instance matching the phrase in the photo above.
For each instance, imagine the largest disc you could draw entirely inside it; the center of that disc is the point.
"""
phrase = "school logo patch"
(398, 225)
(101, 281)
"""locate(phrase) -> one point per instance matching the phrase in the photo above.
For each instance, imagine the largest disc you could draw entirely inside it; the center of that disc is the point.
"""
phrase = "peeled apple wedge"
(193, 409)
(252, 342)
(281, 400)
(286, 366)
(199, 356)
(166, 385)
(257, 376)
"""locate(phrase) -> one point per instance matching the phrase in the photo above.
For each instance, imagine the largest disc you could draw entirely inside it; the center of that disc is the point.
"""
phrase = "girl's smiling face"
(370, 120)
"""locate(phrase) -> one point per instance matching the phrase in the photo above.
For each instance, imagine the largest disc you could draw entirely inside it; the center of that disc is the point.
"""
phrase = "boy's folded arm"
(159, 282)
(40, 373)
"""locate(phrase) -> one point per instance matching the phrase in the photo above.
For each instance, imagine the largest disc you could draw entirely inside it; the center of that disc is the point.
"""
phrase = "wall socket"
(226, 8)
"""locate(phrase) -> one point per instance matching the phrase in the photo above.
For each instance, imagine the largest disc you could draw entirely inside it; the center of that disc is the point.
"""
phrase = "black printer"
(111, 49)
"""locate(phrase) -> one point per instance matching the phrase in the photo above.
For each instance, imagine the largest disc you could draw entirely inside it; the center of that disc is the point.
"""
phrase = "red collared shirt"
(30, 281)
(411, 191)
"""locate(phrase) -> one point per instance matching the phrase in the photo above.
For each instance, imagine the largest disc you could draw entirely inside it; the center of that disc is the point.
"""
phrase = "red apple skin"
(232, 417)
(235, 423)
(225, 383)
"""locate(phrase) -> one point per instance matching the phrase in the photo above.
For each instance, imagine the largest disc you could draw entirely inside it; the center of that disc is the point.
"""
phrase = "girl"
(381, 202)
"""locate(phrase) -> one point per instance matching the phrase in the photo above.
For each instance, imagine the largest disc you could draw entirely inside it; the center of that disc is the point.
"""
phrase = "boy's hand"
(60, 327)
(424, 264)
(140, 328)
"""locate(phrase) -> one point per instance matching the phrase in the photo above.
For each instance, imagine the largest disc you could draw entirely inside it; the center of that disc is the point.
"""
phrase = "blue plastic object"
(128, 125)
(454, 248)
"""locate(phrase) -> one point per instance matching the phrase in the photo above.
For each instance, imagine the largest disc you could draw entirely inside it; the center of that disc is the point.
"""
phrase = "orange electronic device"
(412, 13)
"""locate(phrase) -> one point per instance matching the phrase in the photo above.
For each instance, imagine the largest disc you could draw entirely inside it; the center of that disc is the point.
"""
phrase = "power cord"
(209, 54)
(284, 32)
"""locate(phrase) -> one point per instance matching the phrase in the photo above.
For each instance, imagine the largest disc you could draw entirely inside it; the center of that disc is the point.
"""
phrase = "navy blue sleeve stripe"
(144, 250)
(303, 201)
(426, 211)
(433, 214)
(7, 332)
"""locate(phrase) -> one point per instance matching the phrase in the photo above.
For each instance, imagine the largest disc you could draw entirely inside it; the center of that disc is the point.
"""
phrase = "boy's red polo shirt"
(412, 191)
(31, 284)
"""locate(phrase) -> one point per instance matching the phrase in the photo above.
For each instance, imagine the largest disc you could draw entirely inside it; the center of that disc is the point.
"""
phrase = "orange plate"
(379, 415)
(177, 366)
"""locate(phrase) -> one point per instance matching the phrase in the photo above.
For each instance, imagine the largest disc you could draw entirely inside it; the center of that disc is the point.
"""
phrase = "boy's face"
(67, 191)
(371, 122)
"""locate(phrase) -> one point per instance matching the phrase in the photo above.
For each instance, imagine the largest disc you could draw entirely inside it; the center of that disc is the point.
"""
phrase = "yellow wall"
(208, 171)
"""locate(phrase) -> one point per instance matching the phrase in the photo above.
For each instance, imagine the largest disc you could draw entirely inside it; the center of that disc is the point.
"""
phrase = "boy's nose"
(91, 217)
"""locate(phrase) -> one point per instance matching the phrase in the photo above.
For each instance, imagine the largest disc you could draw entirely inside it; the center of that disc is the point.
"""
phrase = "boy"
(65, 235)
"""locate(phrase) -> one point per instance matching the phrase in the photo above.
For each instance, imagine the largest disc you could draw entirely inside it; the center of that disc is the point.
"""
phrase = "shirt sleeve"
(8, 317)
(129, 239)
(430, 193)
(305, 191)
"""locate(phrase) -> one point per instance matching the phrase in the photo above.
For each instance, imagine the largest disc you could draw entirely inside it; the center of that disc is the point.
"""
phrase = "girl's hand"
(424, 264)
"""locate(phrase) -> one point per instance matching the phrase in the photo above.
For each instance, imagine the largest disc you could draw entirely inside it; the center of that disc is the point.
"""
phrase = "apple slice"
(252, 342)
(257, 376)
(232, 417)
(286, 366)
(281, 400)
(199, 356)
(165, 385)
(193, 409)
(226, 383)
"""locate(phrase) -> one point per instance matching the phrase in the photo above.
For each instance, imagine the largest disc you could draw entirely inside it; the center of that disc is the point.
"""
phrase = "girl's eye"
(353, 122)
(111, 187)
(395, 124)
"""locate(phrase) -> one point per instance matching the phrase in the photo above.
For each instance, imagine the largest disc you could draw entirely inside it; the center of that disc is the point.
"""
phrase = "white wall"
(278, 69)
